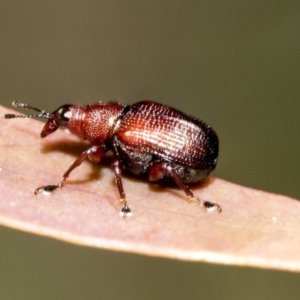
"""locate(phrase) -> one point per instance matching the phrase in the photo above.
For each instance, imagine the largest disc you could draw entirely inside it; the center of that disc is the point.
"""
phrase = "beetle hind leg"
(160, 170)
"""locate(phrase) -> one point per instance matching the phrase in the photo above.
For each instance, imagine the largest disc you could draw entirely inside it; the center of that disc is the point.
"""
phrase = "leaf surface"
(256, 228)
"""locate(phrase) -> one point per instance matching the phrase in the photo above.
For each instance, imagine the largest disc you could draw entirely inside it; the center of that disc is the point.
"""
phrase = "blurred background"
(234, 64)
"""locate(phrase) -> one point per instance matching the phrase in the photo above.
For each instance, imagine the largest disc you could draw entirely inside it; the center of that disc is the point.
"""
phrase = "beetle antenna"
(42, 113)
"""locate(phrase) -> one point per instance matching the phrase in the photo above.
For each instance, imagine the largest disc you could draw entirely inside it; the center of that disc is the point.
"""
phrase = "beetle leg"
(159, 170)
(117, 167)
(189, 193)
(95, 153)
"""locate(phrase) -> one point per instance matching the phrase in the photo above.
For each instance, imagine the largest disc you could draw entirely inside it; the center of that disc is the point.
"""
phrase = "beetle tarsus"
(209, 205)
(125, 211)
(47, 189)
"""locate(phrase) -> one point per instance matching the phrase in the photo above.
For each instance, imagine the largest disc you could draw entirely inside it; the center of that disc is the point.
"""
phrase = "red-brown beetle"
(145, 138)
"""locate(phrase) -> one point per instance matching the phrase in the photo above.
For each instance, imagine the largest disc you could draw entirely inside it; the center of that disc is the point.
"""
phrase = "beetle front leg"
(160, 170)
(117, 167)
(94, 153)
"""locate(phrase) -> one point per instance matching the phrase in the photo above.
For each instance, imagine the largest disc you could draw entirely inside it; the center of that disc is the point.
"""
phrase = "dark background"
(234, 64)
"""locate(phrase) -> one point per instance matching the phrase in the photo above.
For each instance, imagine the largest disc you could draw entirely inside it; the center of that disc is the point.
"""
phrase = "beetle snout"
(50, 126)
(60, 117)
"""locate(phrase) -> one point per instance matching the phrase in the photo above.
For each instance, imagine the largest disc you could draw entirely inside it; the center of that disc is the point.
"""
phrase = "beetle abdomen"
(156, 129)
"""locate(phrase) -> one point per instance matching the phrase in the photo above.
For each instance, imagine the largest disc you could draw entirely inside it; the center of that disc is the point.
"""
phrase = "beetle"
(145, 138)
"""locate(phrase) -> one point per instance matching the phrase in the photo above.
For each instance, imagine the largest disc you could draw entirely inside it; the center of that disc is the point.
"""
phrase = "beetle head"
(58, 118)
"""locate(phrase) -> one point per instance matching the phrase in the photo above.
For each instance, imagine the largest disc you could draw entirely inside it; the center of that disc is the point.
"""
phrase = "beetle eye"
(63, 115)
